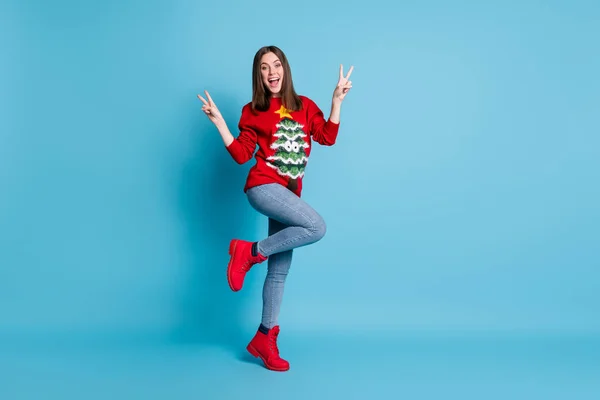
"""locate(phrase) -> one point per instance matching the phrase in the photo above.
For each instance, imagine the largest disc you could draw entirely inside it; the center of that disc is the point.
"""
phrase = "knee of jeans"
(278, 274)
(276, 277)
(319, 228)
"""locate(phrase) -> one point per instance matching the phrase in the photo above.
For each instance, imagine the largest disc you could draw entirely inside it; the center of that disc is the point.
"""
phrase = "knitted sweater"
(284, 142)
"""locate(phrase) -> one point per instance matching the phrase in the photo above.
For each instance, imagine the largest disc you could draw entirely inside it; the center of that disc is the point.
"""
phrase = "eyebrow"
(264, 63)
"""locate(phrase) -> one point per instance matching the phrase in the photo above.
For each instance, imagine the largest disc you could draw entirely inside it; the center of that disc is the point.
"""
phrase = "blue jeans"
(292, 224)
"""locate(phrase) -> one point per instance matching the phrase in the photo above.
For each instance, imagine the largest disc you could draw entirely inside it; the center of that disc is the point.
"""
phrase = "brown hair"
(261, 97)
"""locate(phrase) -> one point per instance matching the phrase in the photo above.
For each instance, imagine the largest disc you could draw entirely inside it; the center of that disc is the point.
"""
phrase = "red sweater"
(284, 142)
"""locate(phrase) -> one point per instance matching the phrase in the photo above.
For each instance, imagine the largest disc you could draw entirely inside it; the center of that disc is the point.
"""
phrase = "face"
(271, 70)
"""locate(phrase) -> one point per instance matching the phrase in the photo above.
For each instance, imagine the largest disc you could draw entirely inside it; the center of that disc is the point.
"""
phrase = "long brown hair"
(261, 97)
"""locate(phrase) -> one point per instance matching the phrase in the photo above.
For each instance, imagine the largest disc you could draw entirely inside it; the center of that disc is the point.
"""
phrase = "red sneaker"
(240, 262)
(265, 347)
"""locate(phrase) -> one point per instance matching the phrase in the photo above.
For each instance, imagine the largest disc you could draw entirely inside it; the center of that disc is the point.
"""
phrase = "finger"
(210, 100)
(341, 72)
(202, 98)
(350, 72)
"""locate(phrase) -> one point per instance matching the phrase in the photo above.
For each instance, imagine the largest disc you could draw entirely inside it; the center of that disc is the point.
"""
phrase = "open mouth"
(273, 82)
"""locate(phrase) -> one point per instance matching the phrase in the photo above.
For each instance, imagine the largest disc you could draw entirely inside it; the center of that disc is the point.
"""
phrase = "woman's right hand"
(211, 110)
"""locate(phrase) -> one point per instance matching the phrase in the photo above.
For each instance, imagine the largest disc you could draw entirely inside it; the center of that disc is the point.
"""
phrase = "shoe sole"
(256, 354)
(232, 246)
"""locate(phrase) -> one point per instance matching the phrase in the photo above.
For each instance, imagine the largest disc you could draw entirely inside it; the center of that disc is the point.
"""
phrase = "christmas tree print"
(289, 158)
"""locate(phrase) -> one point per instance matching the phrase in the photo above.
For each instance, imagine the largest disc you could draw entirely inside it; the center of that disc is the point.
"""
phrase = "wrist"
(221, 125)
(336, 106)
(334, 116)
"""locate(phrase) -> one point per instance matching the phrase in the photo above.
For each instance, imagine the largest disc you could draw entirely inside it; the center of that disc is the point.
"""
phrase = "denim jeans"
(292, 224)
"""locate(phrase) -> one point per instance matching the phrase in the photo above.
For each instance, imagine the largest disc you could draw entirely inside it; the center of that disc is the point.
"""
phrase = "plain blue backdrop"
(462, 200)
(462, 195)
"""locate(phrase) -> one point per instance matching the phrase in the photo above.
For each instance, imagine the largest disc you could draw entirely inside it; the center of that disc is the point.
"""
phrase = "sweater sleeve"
(242, 148)
(322, 131)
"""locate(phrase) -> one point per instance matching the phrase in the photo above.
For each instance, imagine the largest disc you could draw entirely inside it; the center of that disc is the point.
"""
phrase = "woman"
(283, 125)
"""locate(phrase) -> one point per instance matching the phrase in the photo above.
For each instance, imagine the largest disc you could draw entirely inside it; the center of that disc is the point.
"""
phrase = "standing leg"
(264, 342)
(277, 271)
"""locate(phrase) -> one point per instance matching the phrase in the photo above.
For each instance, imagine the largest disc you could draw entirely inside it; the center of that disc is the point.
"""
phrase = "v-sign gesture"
(211, 110)
(343, 86)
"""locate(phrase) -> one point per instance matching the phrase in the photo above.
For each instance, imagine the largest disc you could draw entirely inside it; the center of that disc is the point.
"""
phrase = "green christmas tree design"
(290, 158)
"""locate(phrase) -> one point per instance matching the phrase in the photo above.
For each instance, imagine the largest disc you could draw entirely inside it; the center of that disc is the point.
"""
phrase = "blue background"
(462, 197)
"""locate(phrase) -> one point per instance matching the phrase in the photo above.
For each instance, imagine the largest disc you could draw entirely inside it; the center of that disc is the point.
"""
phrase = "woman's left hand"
(343, 86)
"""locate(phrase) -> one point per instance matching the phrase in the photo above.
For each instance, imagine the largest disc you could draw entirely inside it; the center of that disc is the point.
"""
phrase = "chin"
(275, 92)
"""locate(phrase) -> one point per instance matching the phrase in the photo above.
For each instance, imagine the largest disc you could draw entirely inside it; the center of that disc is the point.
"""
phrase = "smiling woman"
(284, 125)
(273, 81)
(272, 73)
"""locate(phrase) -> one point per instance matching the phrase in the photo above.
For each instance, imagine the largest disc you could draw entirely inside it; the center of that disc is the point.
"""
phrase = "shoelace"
(245, 267)
(273, 342)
